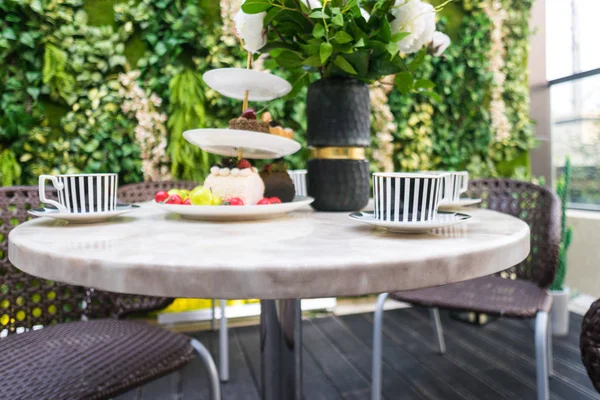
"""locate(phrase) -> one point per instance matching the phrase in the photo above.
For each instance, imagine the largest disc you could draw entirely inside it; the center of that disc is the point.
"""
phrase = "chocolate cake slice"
(277, 182)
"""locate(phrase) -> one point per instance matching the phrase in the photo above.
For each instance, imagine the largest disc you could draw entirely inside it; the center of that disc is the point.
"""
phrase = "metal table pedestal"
(281, 349)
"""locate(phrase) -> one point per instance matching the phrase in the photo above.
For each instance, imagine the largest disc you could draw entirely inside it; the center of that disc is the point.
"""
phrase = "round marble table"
(306, 254)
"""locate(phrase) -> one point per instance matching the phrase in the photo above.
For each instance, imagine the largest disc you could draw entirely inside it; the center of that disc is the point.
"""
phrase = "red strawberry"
(263, 201)
(275, 200)
(161, 196)
(187, 202)
(243, 164)
(174, 199)
(236, 201)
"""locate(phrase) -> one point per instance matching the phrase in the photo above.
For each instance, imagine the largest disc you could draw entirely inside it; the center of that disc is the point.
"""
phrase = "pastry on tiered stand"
(240, 181)
(246, 137)
(278, 182)
(248, 122)
(275, 128)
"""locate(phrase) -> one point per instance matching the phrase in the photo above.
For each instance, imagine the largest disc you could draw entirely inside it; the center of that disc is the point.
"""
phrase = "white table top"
(306, 254)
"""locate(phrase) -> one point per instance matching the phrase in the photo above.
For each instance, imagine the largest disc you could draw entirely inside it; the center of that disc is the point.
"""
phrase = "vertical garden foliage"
(61, 101)
(453, 129)
(186, 111)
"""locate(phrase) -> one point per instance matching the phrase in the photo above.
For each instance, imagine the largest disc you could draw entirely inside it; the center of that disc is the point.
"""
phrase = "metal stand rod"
(281, 349)
(437, 327)
(223, 344)
(377, 347)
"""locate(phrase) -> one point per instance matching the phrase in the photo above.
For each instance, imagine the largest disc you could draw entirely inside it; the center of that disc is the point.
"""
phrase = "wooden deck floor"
(491, 362)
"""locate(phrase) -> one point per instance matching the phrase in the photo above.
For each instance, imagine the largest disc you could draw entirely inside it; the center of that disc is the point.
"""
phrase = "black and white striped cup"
(299, 178)
(459, 183)
(82, 193)
(408, 197)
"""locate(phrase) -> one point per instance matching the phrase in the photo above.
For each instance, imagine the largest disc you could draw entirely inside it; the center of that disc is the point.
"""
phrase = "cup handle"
(57, 185)
(447, 192)
(464, 184)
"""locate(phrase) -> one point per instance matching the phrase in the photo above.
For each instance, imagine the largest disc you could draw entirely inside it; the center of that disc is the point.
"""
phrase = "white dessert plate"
(236, 213)
(233, 82)
(227, 142)
(83, 218)
(443, 220)
(465, 202)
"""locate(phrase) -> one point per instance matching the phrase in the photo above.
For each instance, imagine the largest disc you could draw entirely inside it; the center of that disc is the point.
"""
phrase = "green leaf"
(385, 32)
(318, 15)
(433, 95)
(344, 65)
(325, 51)
(360, 43)
(256, 6)
(392, 48)
(288, 59)
(342, 37)
(360, 61)
(417, 61)
(404, 82)
(338, 20)
(318, 31)
(398, 36)
(36, 5)
(313, 61)
(271, 15)
(424, 84)
(33, 92)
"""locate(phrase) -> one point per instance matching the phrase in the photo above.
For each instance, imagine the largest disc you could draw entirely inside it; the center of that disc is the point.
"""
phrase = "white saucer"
(236, 213)
(465, 202)
(233, 82)
(84, 218)
(227, 142)
(443, 220)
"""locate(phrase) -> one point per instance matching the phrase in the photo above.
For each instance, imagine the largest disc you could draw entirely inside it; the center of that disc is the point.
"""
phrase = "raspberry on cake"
(248, 122)
(242, 182)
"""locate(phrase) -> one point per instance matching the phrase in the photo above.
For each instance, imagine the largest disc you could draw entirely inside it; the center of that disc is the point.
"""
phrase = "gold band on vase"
(339, 153)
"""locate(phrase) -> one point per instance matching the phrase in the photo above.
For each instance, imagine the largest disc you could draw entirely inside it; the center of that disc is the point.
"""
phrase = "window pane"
(576, 133)
(572, 32)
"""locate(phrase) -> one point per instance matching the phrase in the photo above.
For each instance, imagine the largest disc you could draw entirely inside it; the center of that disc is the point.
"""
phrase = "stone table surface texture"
(305, 254)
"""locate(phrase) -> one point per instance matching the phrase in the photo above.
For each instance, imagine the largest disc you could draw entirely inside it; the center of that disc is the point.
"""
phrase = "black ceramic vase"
(338, 118)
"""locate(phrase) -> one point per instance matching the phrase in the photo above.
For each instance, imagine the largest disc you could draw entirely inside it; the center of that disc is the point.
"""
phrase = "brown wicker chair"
(70, 358)
(145, 191)
(589, 343)
(523, 295)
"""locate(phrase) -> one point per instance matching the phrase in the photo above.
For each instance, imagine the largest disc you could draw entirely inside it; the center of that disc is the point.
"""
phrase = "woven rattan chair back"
(145, 191)
(589, 343)
(537, 206)
(26, 301)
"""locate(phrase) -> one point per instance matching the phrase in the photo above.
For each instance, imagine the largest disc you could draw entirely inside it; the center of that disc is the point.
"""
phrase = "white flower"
(250, 29)
(440, 43)
(365, 14)
(312, 4)
(415, 17)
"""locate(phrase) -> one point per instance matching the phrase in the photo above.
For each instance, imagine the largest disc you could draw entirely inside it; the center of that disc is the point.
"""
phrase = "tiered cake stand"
(247, 85)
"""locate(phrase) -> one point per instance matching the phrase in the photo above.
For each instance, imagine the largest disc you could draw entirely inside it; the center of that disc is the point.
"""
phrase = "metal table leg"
(281, 349)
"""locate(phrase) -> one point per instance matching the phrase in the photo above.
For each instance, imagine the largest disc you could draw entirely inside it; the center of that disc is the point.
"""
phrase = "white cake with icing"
(245, 184)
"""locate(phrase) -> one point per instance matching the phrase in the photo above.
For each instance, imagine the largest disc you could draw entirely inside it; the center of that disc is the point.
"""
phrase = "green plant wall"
(61, 100)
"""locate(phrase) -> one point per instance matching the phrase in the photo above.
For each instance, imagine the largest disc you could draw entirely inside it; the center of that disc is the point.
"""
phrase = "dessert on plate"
(275, 128)
(278, 182)
(239, 180)
(248, 122)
